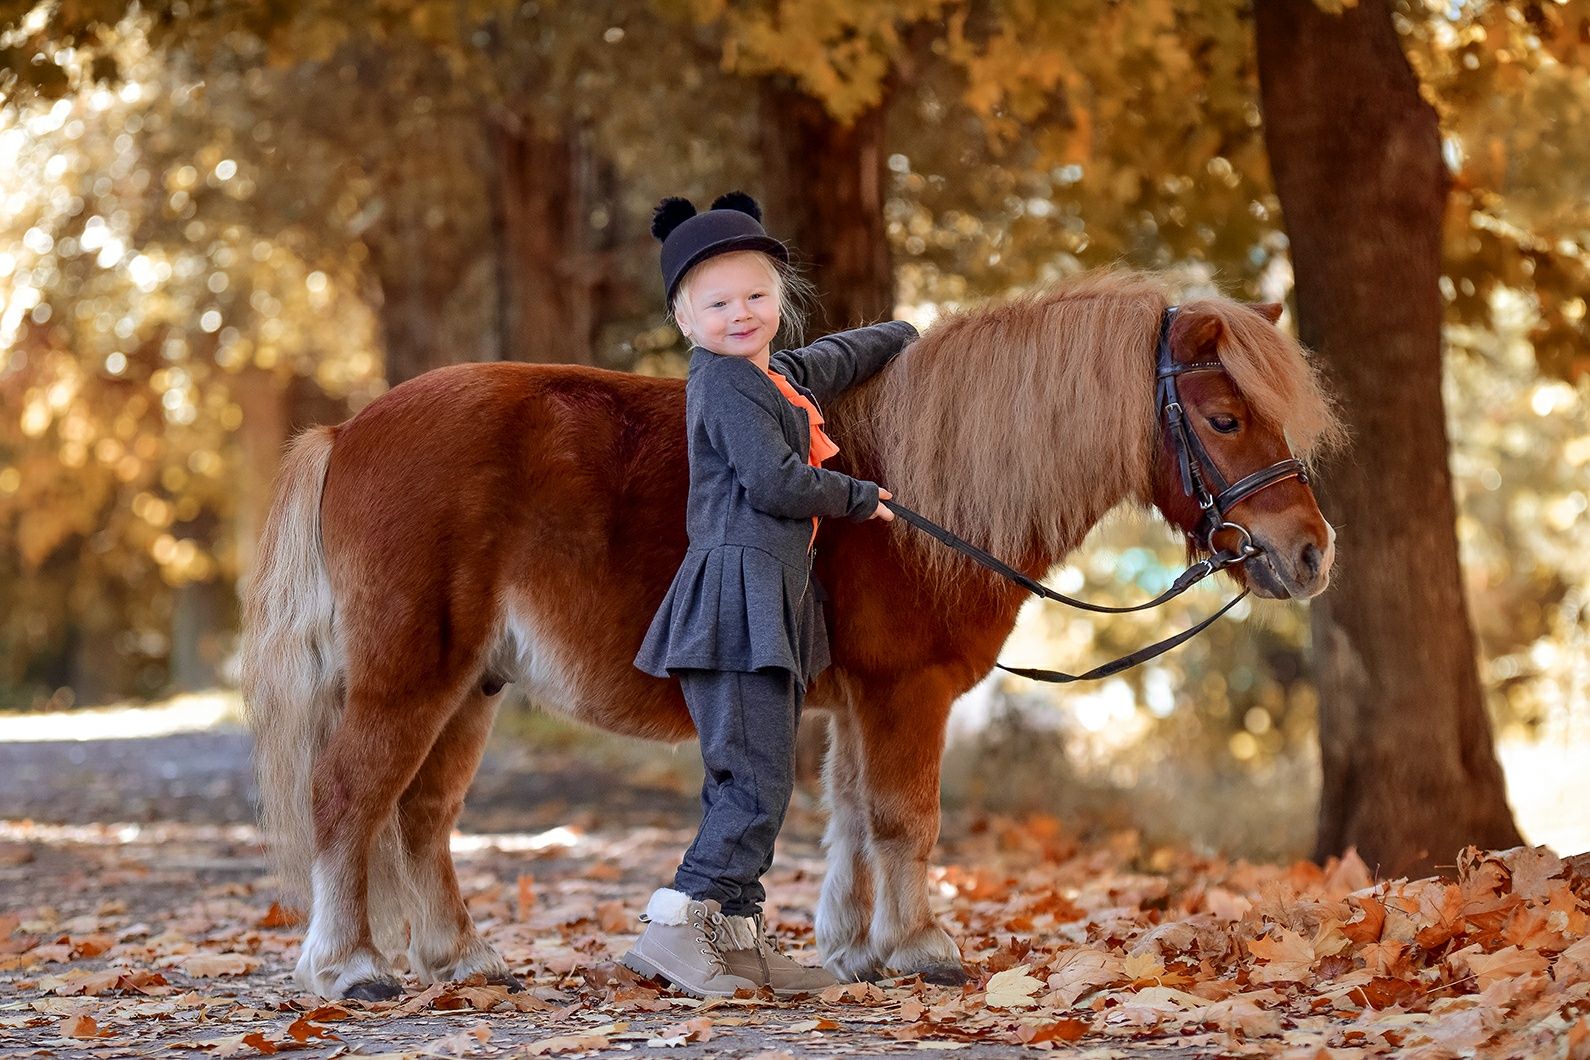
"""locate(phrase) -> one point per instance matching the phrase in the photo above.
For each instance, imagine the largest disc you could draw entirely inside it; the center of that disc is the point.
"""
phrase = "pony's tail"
(291, 662)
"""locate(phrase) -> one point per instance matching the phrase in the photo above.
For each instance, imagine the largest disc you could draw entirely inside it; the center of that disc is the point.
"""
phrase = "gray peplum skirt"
(735, 607)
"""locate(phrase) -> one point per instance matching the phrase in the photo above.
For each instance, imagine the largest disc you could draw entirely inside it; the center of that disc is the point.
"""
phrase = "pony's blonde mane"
(1018, 424)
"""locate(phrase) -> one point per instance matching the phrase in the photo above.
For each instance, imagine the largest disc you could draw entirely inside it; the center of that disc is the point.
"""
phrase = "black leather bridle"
(1198, 470)
(1195, 463)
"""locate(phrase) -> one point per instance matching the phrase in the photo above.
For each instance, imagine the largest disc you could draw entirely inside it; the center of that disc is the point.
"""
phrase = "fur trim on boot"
(667, 906)
(738, 933)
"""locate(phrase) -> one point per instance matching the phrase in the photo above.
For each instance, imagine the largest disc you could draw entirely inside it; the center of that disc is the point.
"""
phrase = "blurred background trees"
(224, 222)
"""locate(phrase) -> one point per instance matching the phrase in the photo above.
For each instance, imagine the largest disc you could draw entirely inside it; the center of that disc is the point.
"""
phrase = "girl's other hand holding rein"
(882, 512)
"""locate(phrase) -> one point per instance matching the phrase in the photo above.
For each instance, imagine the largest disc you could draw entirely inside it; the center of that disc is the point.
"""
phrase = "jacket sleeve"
(835, 363)
(743, 427)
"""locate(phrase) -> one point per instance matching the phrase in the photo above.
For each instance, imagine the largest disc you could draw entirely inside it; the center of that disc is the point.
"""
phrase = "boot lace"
(764, 936)
(707, 925)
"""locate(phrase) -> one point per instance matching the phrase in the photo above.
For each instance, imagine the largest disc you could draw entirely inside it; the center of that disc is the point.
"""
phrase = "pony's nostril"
(1310, 559)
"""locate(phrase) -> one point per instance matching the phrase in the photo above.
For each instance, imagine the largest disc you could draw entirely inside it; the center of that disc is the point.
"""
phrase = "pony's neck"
(1020, 425)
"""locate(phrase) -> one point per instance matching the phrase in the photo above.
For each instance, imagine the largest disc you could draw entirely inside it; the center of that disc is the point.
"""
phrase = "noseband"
(1197, 467)
(1198, 470)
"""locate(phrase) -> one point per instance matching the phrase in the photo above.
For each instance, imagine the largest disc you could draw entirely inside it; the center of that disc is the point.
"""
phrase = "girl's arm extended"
(742, 424)
(834, 364)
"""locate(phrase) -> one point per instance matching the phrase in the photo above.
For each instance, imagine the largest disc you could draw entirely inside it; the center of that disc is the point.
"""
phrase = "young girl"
(741, 626)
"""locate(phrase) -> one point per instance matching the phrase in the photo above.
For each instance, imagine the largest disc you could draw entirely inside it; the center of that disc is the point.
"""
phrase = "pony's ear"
(1270, 311)
(1201, 334)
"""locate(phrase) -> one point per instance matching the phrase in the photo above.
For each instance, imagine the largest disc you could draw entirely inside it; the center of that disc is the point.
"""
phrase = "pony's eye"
(1225, 424)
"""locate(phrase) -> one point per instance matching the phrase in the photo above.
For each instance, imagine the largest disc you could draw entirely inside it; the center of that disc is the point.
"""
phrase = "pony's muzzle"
(1297, 573)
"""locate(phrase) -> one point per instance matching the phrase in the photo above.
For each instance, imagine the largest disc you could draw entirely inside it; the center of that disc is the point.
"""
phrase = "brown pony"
(494, 523)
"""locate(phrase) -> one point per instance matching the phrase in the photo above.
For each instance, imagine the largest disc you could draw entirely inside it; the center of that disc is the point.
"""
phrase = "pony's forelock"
(1276, 377)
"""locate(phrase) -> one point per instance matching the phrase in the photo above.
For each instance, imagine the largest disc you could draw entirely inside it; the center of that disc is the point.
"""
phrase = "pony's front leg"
(845, 909)
(902, 742)
(365, 766)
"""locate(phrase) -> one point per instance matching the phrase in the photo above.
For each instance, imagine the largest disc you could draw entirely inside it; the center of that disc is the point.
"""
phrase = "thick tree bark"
(275, 409)
(825, 196)
(1410, 775)
(201, 626)
(550, 257)
(417, 286)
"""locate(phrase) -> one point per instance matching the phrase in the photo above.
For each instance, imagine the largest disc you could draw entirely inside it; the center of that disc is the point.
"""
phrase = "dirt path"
(137, 919)
(139, 854)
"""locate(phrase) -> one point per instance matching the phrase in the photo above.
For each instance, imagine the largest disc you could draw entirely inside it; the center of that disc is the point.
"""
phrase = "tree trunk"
(201, 627)
(416, 290)
(1410, 775)
(551, 265)
(825, 196)
(275, 408)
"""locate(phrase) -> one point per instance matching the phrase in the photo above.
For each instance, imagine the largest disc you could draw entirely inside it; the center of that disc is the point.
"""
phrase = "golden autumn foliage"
(224, 219)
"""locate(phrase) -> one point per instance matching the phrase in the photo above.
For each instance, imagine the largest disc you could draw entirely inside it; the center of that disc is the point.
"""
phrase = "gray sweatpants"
(746, 722)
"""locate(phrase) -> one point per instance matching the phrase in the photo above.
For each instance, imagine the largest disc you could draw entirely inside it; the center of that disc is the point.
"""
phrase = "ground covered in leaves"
(156, 934)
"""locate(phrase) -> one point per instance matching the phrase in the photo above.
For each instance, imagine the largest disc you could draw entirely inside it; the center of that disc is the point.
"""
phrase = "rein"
(1197, 468)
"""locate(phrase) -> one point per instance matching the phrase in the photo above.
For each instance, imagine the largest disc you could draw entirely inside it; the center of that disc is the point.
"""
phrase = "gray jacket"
(742, 598)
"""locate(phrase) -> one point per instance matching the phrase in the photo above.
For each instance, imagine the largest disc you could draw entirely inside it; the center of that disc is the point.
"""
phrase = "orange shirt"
(822, 447)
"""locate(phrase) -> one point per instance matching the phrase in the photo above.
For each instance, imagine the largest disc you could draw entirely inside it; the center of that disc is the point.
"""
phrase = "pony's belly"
(583, 679)
(529, 655)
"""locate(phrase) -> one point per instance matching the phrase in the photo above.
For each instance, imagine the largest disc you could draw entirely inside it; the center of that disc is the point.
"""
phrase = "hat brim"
(766, 244)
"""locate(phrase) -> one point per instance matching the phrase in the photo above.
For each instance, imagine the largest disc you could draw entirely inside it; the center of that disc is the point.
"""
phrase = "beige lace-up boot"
(752, 952)
(681, 944)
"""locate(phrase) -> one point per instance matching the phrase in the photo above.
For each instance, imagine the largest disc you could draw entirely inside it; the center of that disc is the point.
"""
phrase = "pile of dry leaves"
(1100, 950)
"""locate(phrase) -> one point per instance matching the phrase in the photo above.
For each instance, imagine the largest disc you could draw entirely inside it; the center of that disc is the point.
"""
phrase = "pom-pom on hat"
(688, 238)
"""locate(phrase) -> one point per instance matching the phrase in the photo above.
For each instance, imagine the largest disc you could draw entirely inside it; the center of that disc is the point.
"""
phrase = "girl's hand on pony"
(881, 512)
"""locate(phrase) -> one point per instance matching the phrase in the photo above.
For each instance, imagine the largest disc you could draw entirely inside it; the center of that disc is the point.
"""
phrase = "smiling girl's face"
(730, 305)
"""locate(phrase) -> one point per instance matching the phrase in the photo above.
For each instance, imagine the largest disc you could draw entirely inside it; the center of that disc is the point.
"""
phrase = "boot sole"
(641, 966)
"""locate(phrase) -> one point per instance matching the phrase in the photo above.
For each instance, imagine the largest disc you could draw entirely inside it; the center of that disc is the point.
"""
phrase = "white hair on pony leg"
(904, 929)
(392, 893)
(332, 957)
(845, 907)
(441, 946)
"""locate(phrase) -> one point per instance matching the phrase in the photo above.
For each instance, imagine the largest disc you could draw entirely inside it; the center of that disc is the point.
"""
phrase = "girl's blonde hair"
(796, 296)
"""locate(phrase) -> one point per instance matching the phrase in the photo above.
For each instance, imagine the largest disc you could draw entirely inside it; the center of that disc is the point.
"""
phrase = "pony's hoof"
(944, 974)
(847, 971)
(382, 989)
(508, 981)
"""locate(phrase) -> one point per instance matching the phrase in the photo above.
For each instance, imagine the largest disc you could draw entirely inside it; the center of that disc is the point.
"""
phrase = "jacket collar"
(700, 355)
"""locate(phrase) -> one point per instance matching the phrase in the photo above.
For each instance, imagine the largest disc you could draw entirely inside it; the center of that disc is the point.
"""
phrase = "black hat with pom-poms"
(688, 238)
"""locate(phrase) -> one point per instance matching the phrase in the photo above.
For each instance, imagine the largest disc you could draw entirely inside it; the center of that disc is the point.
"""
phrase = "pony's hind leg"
(443, 942)
(902, 742)
(846, 904)
(385, 732)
